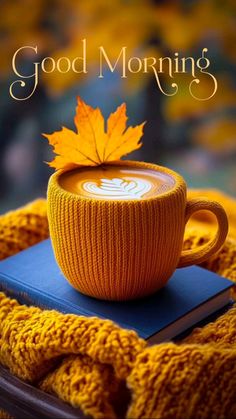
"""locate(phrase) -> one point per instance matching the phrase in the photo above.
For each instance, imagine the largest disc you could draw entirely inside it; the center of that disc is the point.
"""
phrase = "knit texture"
(88, 361)
(120, 250)
(107, 248)
(22, 228)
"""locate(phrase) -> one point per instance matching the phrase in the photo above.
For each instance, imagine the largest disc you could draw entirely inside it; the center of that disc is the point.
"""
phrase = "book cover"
(33, 277)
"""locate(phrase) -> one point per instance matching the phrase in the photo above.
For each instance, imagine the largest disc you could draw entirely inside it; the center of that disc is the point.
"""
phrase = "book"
(193, 293)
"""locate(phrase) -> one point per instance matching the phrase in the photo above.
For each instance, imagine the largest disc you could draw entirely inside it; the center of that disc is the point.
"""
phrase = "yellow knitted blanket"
(88, 361)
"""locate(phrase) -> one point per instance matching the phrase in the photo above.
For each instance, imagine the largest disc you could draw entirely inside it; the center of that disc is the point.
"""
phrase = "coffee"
(119, 245)
(116, 182)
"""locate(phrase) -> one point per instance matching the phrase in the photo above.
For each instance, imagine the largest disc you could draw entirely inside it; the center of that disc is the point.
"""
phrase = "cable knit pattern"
(87, 361)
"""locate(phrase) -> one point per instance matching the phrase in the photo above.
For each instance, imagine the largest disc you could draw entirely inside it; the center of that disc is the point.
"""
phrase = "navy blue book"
(192, 294)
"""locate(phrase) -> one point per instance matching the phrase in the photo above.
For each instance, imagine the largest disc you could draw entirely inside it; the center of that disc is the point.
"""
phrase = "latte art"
(117, 188)
(116, 182)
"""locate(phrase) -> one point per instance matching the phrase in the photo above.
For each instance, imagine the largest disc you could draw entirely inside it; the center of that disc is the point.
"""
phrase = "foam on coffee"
(116, 182)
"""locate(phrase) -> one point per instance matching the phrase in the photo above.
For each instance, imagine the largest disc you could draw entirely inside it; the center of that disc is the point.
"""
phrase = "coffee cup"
(117, 230)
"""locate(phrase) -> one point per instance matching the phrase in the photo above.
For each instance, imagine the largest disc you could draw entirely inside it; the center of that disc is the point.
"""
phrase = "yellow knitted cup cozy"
(124, 249)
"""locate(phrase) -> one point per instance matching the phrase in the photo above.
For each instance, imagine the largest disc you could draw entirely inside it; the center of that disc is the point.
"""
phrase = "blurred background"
(196, 138)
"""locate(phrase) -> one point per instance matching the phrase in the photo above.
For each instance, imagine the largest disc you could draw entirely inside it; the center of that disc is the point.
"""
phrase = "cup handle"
(199, 255)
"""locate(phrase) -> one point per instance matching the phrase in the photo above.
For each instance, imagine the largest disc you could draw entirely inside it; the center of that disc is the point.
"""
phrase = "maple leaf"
(91, 145)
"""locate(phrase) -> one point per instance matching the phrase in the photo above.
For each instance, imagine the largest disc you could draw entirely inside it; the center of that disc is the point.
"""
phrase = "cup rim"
(180, 183)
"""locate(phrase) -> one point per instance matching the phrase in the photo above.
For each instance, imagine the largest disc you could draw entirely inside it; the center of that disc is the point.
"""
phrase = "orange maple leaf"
(91, 145)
